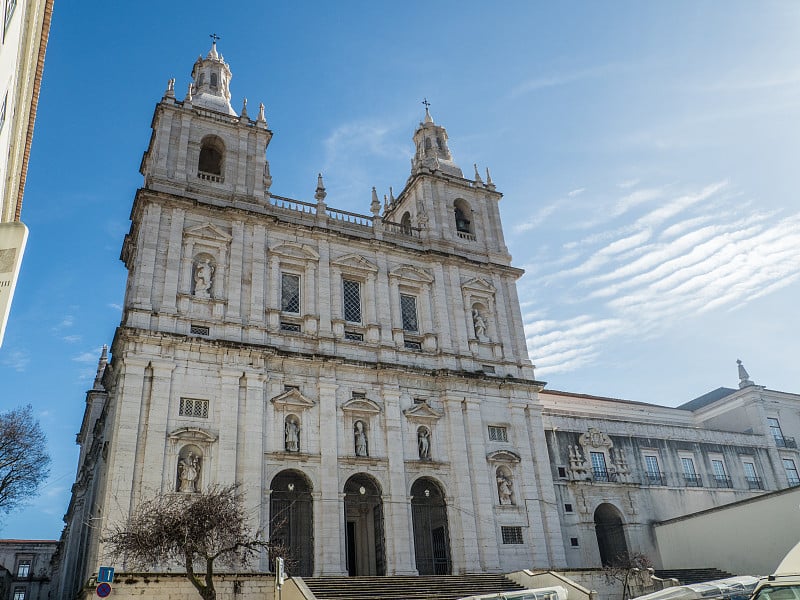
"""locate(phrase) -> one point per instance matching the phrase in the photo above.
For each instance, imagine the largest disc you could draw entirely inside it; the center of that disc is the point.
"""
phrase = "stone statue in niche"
(424, 443)
(203, 273)
(479, 323)
(505, 490)
(188, 473)
(360, 439)
(292, 435)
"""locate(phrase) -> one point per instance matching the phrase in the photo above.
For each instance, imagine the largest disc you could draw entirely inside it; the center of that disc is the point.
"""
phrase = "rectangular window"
(293, 327)
(568, 508)
(408, 310)
(192, 407)
(562, 472)
(19, 593)
(511, 535)
(412, 345)
(351, 299)
(653, 469)
(198, 330)
(24, 568)
(774, 428)
(689, 473)
(751, 476)
(720, 476)
(290, 293)
(791, 471)
(599, 470)
(573, 541)
(353, 336)
(498, 434)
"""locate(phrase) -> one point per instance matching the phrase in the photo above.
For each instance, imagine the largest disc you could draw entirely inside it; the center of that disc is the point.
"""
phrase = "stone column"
(400, 560)
(258, 264)
(170, 291)
(329, 533)
(154, 469)
(462, 515)
(252, 441)
(228, 412)
(483, 493)
(233, 293)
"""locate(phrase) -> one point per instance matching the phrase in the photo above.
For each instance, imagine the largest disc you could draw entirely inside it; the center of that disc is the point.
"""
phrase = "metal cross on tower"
(214, 37)
(426, 103)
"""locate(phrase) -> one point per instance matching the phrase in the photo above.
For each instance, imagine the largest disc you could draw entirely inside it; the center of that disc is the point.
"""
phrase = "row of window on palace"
(689, 475)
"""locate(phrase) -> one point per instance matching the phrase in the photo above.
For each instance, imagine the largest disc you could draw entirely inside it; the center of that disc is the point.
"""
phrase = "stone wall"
(175, 586)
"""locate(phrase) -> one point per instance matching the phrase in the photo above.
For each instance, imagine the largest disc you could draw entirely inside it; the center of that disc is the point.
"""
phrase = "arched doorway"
(363, 515)
(610, 535)
(291, 518)
(431, 535)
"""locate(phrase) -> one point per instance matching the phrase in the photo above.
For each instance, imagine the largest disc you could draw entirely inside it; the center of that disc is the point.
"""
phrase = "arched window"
(212, 152)
(201, 79)
(214, 82)
(405, 223)
(428, 145)
(463, 215)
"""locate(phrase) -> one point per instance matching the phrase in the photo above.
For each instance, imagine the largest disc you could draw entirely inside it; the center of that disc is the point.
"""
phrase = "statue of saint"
(361, 439)
(203, 272)
(504, 489)
(188, 473)
(292, 432)
(479, 323)
(424, 443)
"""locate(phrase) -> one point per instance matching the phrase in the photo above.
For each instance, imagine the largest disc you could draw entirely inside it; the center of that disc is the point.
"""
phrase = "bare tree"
(24, 462)
(200, 531)
(624, 568)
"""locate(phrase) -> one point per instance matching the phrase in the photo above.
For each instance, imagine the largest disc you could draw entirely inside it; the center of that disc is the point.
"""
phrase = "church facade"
(364, 377)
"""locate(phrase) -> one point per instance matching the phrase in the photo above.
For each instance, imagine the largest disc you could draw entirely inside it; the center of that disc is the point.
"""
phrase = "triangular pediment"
(193, 434)
(355, 261)
(479, 284)
(422, 412)
(361, 405)
(503, 456)
(292, 398)
(411, 273)
(292, 250)
(207, 231)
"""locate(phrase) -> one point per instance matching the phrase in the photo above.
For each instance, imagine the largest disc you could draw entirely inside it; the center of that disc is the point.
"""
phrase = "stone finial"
(170, 93)
(188, 98)
(477, 175)
(744, 377)
(391, 195)
(244, 109)
(375, 205)
(261, 117)
(489, 182)
(320, 193)
(386, 205)
(101, 367)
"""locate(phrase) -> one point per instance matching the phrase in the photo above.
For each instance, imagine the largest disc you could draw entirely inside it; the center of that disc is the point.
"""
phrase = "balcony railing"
(654, 478)
(754, 483)
(692, 480)
(600, 474)
(722, 481)
(785, 442)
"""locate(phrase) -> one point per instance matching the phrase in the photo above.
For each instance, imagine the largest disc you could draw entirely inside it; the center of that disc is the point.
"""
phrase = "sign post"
(280, 575)
(105, 575)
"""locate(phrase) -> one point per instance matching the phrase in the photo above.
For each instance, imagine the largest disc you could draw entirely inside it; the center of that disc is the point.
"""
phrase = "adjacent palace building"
(365, 379)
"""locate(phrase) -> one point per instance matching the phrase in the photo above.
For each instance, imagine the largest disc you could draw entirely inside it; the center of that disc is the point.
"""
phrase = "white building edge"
(365, 377)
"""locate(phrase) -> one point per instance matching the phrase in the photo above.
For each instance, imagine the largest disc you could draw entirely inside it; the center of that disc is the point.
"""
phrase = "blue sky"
(647, 153)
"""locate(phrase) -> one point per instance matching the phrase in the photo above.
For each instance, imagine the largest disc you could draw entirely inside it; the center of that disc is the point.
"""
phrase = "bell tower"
(201, 148)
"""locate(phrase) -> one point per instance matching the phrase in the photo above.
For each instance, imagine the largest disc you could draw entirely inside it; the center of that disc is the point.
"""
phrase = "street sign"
(103, 590)
(105, 575)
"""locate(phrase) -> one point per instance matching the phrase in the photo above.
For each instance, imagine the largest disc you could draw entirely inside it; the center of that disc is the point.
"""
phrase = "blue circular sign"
(103, 590)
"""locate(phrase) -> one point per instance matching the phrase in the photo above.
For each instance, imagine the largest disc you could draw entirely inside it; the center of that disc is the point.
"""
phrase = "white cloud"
(639, 274)
(17, 360)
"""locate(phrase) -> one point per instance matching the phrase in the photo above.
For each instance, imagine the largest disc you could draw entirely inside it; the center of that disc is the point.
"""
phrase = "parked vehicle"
(555, 592)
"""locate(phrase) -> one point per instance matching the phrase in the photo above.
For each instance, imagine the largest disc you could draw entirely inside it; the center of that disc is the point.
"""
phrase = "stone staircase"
(690, 576)
(439, 587)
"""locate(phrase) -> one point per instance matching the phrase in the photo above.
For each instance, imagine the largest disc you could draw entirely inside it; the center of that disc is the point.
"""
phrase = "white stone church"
(365, 378)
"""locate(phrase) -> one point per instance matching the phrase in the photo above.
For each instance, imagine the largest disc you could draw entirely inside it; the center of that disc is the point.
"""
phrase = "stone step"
(442, 587)
(696, 575)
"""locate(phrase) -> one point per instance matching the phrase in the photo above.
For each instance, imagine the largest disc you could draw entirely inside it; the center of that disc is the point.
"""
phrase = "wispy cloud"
(663, 255)
(562, 77)
(88, 357)
(17, 360)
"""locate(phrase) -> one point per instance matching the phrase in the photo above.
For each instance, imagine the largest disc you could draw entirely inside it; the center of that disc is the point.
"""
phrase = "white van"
(785, 583)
